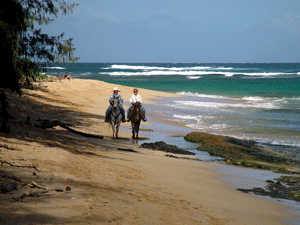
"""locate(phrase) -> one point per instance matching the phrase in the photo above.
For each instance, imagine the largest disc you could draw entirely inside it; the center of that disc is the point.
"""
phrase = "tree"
(23, 47)
(43, 47)
(11, 25)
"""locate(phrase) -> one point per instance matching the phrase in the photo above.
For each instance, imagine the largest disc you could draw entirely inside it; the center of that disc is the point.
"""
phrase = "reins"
(136, 110)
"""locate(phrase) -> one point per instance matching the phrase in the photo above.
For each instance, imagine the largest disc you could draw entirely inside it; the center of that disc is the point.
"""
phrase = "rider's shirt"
(111, 98)
(136, 98)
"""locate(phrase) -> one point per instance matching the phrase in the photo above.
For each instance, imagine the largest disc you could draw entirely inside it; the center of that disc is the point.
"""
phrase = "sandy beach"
(108, 186)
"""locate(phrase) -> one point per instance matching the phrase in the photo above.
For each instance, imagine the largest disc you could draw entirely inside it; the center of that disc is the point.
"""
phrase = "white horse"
(115, 117)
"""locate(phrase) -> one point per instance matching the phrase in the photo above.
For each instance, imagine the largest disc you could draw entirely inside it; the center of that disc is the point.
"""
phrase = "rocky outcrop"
(162, 146)
(286, 187)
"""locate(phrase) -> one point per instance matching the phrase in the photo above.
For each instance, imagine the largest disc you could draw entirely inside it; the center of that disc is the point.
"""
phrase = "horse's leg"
(137, 129)
(113, 129)
(132, 127)
(117, 129)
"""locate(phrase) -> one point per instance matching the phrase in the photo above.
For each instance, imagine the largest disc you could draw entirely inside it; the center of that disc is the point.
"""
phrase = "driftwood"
(50, 124)
(34, 184)
(35, 194)
(5, 162)
(31, 194)
(38, 193)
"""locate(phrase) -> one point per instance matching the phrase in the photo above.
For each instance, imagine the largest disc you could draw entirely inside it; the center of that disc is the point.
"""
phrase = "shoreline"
(131, 188)
(172, 132)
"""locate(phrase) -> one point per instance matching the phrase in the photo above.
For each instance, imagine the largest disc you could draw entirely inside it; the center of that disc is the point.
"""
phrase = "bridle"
(115, 107)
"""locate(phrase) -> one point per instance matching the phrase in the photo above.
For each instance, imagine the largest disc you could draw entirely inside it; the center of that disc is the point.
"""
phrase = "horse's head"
(116, 102)
(136, 112)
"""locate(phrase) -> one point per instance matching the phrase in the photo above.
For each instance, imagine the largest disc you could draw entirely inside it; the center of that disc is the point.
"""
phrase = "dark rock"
(162, 146)
(126, 150)
(286, 187)
(172, 156)
(9, 186)
(270, 181)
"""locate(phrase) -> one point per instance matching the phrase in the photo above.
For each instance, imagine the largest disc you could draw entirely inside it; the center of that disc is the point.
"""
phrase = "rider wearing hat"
(111, 98)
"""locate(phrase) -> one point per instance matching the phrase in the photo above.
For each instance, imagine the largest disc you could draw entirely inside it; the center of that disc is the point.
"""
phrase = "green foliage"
(29, 68)
(23, 46)
(43, 47)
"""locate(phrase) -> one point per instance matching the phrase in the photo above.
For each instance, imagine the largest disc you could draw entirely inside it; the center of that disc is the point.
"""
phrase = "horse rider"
(111, 99)
(136, 97)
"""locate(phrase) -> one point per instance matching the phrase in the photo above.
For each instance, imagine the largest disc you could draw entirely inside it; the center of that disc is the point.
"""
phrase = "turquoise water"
(231, 80)
(253, 101)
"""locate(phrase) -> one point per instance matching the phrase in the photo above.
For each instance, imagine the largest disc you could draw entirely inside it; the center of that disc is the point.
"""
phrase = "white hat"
(116, 89)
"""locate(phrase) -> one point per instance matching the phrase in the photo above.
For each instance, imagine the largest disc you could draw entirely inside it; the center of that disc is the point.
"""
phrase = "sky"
(190, 31)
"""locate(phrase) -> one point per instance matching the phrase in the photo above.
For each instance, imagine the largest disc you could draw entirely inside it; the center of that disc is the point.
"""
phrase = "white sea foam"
(55, 68)
(165, 73)
(202, 95)
(208, 127)
(193, 77)
(181, 71)
(290, 143)
(256, 101)
(86, 74)
(286, 143)
(255, 98)
(197, 68)
(260, 105)
(139, 70)
(133, 67)
(187, 117)
(224, 68)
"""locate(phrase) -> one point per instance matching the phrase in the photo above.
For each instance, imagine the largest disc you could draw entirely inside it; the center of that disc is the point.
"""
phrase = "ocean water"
(253, 101)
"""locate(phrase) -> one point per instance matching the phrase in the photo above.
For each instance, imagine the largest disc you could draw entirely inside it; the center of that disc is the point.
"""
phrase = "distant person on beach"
(67, 76)
(136, 98)
(111, 99)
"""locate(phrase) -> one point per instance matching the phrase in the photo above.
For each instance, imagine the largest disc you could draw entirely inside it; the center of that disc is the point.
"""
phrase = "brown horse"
(135, 116)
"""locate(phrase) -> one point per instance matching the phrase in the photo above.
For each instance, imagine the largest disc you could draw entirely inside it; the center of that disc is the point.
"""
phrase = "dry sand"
(108, 186)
